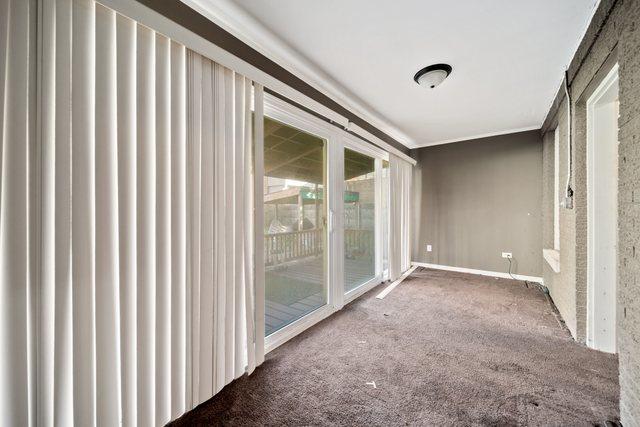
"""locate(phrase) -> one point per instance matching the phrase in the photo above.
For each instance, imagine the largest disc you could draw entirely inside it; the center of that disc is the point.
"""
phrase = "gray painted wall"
(477, 199)
(613, 36)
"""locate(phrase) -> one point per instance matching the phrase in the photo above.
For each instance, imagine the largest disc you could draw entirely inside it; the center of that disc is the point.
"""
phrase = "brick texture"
(613, 35)
(561, 285)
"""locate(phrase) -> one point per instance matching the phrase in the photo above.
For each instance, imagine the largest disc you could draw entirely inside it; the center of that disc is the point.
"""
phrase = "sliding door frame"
(354, 143)
(283, 112)
(336, 141)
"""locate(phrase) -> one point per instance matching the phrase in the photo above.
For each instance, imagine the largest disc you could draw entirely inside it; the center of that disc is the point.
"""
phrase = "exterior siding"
(561, 285)
(613, 36)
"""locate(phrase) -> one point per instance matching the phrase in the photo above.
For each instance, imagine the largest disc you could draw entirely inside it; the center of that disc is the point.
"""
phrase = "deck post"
(317, 220)
(300, 211)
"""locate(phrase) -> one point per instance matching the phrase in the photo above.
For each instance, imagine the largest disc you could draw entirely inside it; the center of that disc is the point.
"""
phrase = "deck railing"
(359, 243)
(290, 246)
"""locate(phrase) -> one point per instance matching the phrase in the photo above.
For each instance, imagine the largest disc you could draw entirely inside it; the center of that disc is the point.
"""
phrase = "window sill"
(552, 257)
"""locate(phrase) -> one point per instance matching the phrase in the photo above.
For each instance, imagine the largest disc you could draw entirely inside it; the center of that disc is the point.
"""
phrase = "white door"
(361, 217)
(296, 231)
(602, 206)
(319, 233)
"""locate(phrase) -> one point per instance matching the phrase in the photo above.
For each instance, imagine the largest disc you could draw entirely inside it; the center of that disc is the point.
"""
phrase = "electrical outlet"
(428, 248)
(507, 255)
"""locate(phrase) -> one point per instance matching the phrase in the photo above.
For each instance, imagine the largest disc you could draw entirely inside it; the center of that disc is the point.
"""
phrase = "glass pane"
(384, 205)
(294, 215)
(359, 219)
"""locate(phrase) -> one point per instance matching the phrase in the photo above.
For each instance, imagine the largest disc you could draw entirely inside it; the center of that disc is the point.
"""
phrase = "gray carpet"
(443, 349)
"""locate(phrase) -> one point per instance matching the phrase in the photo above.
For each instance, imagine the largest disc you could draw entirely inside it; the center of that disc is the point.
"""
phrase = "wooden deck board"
(278, 315)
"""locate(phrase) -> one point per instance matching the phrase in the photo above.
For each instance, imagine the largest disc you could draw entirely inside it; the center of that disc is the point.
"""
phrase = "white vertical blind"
(46, 343)
(16, 284)
(163, 228)
(219, 140)
(399, 215)
(146, 223)
(126, 245)
(179, 230)
(257, 232)
(106, 210)
(127, 207)
(60, 204)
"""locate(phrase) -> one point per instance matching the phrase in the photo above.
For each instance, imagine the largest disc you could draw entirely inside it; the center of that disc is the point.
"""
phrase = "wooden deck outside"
(278, 315)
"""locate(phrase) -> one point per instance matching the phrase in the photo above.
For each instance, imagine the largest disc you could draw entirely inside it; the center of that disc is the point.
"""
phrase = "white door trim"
(281, 111)
(356, 144)
(592, 222)
(336, 141)
(283, 335)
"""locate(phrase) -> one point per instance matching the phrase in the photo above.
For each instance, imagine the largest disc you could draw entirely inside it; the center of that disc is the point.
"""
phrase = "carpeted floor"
(443, 349)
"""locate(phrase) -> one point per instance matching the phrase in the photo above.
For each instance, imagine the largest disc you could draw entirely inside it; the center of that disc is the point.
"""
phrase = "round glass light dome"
(433, 75)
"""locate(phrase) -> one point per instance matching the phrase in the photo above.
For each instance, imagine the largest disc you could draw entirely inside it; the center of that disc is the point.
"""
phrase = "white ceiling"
(508, 58)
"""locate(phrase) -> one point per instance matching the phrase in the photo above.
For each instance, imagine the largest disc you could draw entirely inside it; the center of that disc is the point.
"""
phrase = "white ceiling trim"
(380, 143)
(242, 25)
(152, 19)
(483, 135)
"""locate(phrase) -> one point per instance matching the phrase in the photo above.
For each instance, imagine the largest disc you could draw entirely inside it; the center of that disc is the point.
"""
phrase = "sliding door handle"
(331, 221)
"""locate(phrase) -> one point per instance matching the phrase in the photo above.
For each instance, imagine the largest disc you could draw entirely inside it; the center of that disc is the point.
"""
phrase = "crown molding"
(483, 135)
(352, 127)
(235, 20)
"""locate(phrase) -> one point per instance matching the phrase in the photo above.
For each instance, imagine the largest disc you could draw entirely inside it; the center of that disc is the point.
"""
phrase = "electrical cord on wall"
(525, 282)
(569, 190)
(540, 286)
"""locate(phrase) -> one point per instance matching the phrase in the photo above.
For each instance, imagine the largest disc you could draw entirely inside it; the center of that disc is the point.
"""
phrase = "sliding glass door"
(359, 219)
(294, 224)
(324, 222)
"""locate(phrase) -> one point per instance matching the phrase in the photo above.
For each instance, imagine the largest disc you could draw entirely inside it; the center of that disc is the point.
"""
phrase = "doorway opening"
(602, 213)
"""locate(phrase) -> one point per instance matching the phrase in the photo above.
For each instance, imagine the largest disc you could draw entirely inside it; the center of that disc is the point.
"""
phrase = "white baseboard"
(480, 272)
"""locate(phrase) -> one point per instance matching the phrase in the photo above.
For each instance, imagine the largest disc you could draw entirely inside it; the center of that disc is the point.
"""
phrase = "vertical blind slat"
(4, 63)
(178, 229)
(106, 193)
(239, 354)
(14, 371)
(226, 366)
(206, 234)
(220, 216)
(83, 212)
(127, 208)
(193, 141)
(146, 225)
(63, 372)
(47, 145)
(163, 230)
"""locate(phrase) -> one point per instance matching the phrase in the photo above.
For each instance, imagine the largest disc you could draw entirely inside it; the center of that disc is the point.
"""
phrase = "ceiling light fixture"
(432, 75)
